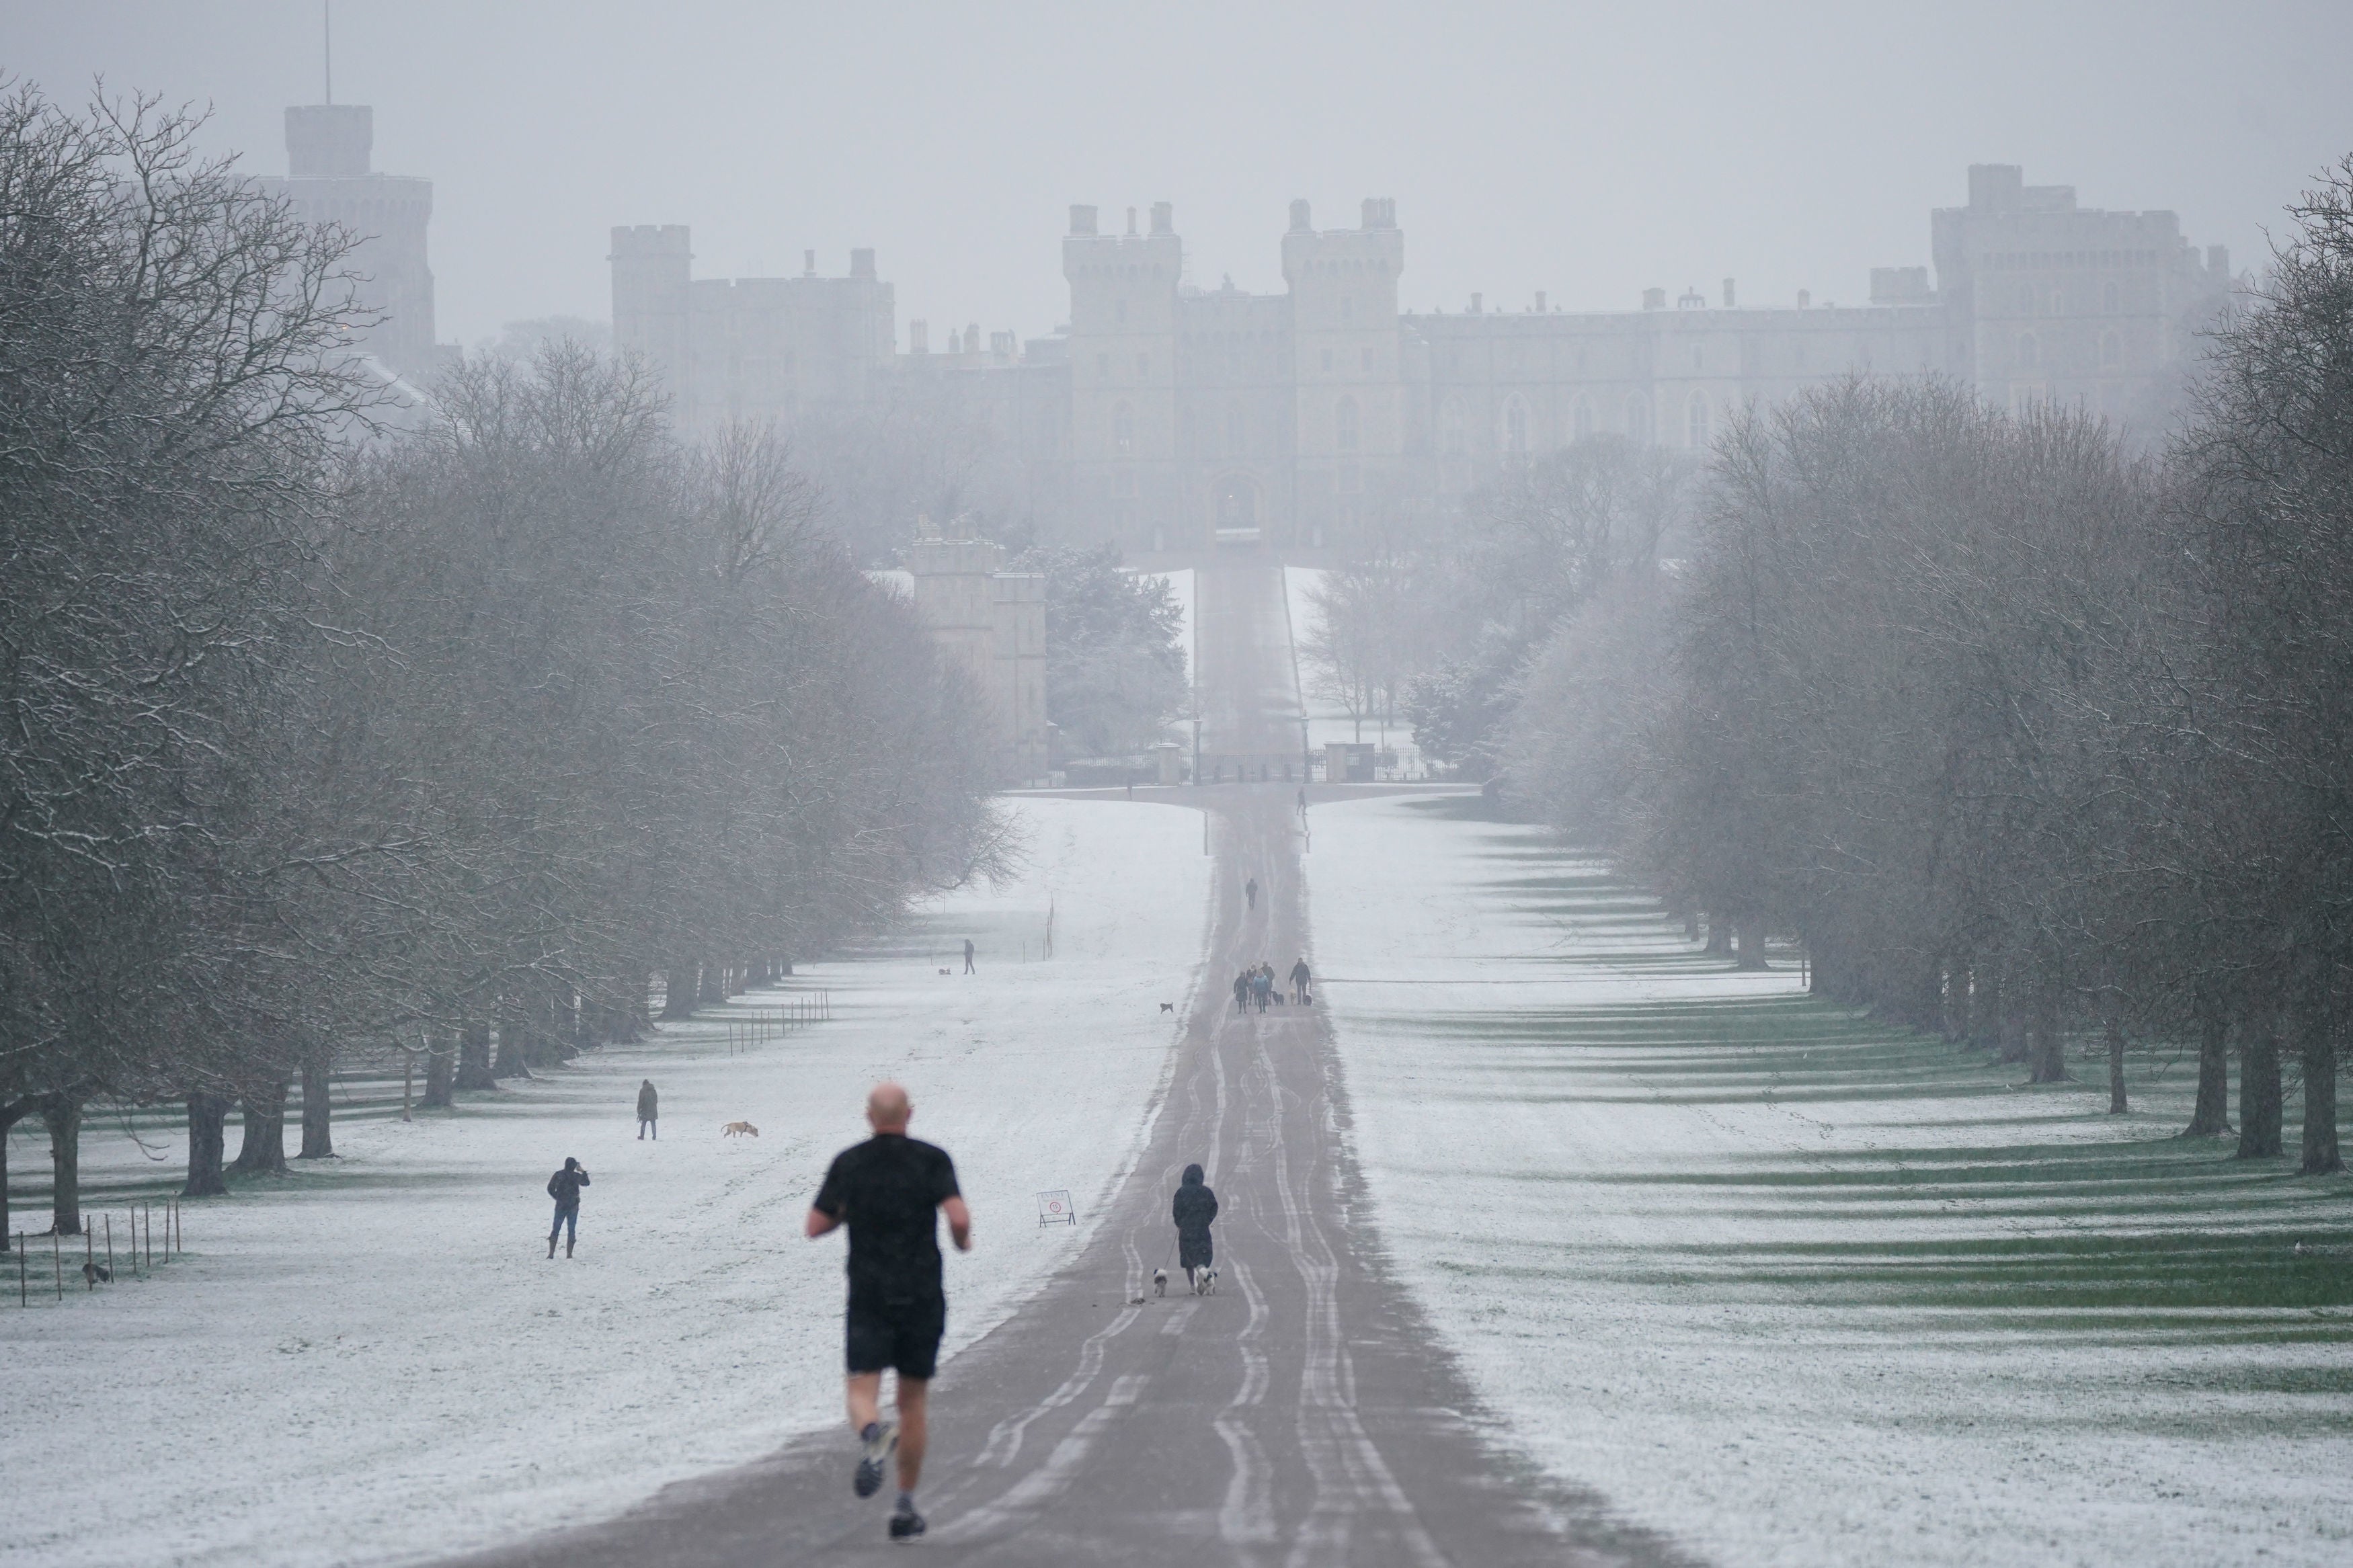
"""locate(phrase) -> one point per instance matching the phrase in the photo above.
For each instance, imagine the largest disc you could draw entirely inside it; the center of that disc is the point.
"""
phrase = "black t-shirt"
(888, 1190)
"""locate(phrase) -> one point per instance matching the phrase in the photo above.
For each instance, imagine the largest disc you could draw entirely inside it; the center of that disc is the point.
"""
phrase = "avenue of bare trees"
(318, 739)
(2028, 738)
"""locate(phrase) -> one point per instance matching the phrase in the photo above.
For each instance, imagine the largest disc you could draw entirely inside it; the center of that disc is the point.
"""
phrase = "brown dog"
(734, 1129)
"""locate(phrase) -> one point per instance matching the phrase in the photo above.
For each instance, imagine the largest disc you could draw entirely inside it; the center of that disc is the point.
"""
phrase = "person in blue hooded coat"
(1196, 1205)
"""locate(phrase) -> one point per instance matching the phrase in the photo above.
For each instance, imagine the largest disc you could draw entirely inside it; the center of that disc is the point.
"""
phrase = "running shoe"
(906, 1525)
(868, 1479)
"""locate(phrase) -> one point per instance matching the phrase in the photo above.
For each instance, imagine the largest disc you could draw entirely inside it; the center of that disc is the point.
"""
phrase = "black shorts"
(902, 1335)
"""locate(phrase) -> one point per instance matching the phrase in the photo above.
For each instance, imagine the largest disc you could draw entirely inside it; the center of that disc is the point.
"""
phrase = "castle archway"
(1237, 510)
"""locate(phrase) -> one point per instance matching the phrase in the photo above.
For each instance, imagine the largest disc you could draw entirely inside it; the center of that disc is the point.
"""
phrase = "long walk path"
(1301, 1416)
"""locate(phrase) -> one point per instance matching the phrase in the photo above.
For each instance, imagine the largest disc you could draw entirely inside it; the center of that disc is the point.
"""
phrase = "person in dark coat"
(564, 1188)
(1195, 1206)
(1299, 978)
(649, 1111)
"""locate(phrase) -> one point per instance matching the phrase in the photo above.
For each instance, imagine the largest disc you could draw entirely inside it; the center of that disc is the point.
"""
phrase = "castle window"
(1119, 310)
(1369, 358)
(1451, 427)
(1697, 359)
(1123, 430)
(1347, 308)
(1638, 417)
(2111, 348)
(2026, 300)
(2111, 299)
(1582, 420)
(1237, 432)
(2028, 352)
(1695, 422)
(1515, 427)
(1344, 424)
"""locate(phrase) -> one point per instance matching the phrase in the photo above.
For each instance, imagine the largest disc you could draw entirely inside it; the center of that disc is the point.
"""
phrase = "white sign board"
(1056, 1208)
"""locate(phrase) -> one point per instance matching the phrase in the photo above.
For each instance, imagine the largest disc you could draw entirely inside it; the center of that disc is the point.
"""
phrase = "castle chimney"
(1082, 220)
(918, 337)
(809, 263)
(1163, 219)
(1131, 222)
(1380, 212)
(1727, 293)
(1299, 223)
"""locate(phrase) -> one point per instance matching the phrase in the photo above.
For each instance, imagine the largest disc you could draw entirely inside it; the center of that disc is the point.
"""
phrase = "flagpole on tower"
(327, 44)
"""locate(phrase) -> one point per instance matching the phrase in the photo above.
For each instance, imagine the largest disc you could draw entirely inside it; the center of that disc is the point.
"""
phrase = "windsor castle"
(1166, 417)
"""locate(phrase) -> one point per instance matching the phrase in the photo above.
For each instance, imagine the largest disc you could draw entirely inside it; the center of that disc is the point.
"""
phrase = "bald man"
(889, 1191)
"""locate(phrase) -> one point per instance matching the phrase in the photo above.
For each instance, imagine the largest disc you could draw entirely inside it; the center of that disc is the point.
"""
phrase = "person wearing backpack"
(564, 1188)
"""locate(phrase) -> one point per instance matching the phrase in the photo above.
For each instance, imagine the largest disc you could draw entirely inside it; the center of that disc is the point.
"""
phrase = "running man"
(564, 1188)
(888, 1190)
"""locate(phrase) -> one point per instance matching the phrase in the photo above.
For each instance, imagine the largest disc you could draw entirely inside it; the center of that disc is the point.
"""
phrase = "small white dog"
(1205, 1281)
(1160, 1281)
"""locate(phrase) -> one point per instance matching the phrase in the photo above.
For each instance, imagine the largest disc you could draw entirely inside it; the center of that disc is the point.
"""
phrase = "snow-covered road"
(1753, 1267)
(377, 1364)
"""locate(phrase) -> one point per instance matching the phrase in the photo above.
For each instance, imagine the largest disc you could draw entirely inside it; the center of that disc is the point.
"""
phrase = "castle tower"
(653, 267)
(328, 150)
(1123, 347)
(1348, 412)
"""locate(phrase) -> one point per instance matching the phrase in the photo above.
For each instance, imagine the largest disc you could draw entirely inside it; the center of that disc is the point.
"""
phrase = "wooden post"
(110, 1242)
(22, 1299)
(57, 1260)
(407, 1078)
(147, 1212)
(89, 1257)
(179, 1236)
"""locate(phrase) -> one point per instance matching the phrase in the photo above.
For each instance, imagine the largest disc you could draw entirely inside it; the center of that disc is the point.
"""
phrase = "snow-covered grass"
(1797, 1289)
(1325, 720)
(376, 1362)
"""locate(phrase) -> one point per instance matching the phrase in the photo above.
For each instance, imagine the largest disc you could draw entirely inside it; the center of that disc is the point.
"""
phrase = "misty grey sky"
(1589, 151)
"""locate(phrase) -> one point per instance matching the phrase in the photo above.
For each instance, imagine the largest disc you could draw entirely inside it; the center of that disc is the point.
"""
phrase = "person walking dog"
(564, 1188)
(1194, 1207)
(889, 1192)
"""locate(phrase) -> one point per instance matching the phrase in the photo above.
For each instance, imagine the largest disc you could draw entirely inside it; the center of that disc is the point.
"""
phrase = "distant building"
(991, 624)
(329, 154)
(1169, 416)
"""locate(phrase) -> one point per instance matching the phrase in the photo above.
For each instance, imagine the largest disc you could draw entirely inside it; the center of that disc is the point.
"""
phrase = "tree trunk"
(1719, 936)
(1690, 925)
(2259, 1090)
(2118, 1105)
(474, 1057)
(207, 1119)
(1752, 945)
(10, 1114)
(2046, 1043)
(1988, 1009)
(714, 985)
(2212, 1116)
(1959, 980)
(62, 1113)
(514, 1038)
(318, 1108)
(440, 1068)
(678, 991)
(264, 1149)
(2318, 1049)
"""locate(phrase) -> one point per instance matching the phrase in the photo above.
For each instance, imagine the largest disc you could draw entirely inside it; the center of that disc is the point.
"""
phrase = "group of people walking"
(1255, 987)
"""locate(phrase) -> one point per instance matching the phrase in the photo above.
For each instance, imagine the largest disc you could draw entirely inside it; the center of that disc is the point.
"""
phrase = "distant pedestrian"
(1303, 802)
(1299, 978)
(649, 1111)
(1262, 982)
(1249, 891)
(1194, 1207)
(890, 1191)
(967, 956)
(564, 1188)
(1243, 991)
